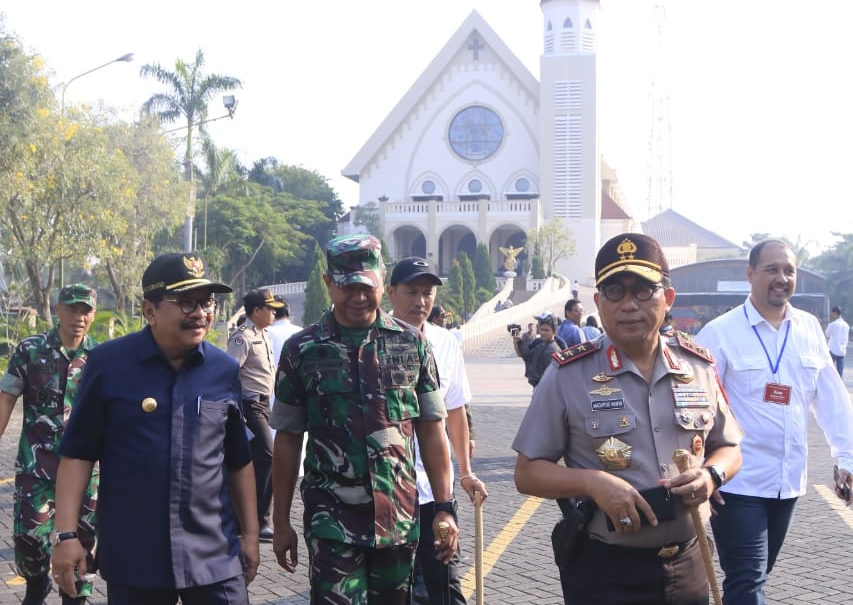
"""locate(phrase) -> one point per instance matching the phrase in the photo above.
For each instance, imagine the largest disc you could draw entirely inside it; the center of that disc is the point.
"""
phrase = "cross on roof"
(476, 46)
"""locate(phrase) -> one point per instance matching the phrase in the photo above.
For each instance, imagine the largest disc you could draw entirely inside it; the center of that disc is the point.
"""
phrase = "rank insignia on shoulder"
(574, 352)
(688, 344)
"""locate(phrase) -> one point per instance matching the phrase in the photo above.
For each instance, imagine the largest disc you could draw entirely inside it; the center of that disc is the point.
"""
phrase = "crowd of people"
(195, 452)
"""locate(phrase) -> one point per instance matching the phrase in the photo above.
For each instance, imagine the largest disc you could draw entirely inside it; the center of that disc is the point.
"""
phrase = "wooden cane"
(682, 459)
(443, 530)
(478, 545)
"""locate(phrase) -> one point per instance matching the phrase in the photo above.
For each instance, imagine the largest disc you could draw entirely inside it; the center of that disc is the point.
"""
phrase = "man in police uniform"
(361, 383)
(616, 410)
(252, 347)
(45, 370)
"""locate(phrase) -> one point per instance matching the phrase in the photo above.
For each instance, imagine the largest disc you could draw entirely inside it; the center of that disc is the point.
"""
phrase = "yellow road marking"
(500, 544)
(6, 480)
(836, 503)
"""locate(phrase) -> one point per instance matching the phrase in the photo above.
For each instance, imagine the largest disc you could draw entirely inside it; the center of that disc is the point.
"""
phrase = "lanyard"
(773, 368)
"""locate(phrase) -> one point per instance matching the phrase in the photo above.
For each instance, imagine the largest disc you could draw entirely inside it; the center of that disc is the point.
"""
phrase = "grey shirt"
(600, 399)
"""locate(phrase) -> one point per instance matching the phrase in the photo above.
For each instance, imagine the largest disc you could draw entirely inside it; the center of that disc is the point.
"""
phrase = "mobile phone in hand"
(844, 491)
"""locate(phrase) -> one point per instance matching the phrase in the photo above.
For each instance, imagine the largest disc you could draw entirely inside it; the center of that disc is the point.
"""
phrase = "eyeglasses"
(640, 290)
(188, 305)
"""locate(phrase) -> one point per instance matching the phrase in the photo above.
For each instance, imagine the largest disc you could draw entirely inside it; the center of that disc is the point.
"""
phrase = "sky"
(759, 91)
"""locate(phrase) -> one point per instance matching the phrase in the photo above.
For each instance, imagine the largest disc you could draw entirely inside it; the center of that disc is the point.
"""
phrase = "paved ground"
(813, 567)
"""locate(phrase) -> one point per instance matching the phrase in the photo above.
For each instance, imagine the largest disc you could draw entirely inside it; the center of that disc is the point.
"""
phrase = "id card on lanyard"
(774, 392)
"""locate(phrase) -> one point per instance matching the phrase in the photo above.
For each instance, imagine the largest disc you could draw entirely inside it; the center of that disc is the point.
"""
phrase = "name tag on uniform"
(608, 404)
(777, 393)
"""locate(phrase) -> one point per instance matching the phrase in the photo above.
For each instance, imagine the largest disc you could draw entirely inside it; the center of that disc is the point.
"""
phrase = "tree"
(483, 272)
(837, 264)
(190, 91)
(150, 202)
(554, 241)
(367, 216)
(26, 129)
(537, 269)
(452, 291)
(316, 296)
(469, 285)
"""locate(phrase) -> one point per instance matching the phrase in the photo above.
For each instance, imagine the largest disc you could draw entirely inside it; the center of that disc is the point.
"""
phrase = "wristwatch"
(445, 507)
(718, 475)
(63, 536)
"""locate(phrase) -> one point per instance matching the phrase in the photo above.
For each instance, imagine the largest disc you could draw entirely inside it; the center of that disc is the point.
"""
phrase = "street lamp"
(125, 58)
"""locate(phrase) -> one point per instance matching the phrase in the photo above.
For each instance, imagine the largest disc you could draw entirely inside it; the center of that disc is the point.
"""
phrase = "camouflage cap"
(178, 272)
(355, 259)
(78, 293)
(633, 252)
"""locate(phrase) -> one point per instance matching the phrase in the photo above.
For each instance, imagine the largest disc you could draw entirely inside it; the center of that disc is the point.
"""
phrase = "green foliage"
(367, 216)
(554, 241)
(316, 296)
(837, 264)
(452, 291)
(469, 284)
(483, 272)
(537, 267)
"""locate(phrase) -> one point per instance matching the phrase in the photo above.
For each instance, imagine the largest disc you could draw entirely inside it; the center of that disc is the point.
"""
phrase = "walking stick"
(682, 459)
(443, 529)
(478, 545)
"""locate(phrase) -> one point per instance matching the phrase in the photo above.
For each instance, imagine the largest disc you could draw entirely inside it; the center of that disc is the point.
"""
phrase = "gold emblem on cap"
(602, 377)
(615, 455)
(194, 265)
(626, 249)
(149, 404)
(604, 391)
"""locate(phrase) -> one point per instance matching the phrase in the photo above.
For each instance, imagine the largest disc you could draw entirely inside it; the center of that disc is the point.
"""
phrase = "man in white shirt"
(282, 328)
(412, 293)
(775, 366)
(837, 334)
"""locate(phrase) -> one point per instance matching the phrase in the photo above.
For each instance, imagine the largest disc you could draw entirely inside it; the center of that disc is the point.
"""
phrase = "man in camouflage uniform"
(45, 370)
(361, 383)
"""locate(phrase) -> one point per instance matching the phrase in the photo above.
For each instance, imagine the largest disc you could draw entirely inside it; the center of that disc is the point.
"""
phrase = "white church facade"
(480, 150)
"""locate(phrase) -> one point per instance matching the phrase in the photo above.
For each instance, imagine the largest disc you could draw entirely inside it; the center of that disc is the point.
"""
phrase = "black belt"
(667, 551)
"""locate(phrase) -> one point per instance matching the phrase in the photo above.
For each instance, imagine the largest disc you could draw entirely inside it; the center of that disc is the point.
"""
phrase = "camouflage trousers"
(346, 574)
(33, 525)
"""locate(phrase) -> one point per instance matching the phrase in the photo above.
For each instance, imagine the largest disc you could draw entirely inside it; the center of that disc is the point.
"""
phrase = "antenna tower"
(659, 196)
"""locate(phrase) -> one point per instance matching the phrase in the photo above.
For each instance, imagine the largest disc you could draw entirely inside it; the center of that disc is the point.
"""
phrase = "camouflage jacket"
(46, 375)
(358, 401)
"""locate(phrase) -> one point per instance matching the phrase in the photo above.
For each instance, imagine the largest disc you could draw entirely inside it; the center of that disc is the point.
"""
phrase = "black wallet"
(661, 502)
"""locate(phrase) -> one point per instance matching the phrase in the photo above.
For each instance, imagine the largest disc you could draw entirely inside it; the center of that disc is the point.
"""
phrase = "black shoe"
(66, 600)
(265, 535)
(38, 588)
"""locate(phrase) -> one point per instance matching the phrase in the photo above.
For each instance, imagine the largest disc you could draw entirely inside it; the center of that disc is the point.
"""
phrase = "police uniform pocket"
(610, 423)
(694, 420)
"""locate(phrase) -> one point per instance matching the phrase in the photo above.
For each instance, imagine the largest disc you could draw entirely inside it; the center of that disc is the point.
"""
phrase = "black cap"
(261, 298)
(437, 311)
(178, 272)
(411, 268)
(632, 252)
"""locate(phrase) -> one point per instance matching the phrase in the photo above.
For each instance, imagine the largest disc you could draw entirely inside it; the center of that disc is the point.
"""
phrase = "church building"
(480, 150)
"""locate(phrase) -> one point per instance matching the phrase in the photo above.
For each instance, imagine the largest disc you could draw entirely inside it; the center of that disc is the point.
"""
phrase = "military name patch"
(602, 405)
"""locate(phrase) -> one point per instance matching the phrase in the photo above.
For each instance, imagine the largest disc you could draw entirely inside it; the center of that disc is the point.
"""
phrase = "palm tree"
(190, 90)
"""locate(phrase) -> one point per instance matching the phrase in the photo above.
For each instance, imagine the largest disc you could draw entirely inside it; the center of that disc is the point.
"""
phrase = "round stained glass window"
(476, 133)
(522, 185)
(475, 186)
(428, 187)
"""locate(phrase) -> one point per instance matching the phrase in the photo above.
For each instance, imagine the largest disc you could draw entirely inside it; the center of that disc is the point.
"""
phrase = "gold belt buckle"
(668, 552)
